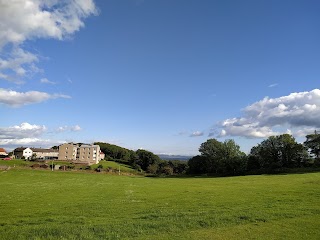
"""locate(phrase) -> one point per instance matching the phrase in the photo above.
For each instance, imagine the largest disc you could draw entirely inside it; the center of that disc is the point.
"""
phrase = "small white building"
(39, 153)
(23, 152)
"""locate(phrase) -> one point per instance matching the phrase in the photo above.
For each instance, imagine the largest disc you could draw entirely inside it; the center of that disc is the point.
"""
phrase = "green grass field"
(40, 204)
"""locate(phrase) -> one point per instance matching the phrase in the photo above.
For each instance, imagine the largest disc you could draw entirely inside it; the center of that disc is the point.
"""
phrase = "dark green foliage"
(146, 158)
(313, 143)
(198, 164)
(178, 167)
(219, 158)
(277, 152)
(114, 152)
(140, 160)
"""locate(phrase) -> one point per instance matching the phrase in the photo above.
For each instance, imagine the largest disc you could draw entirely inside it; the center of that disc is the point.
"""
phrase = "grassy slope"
(114, 165)
(71, 205)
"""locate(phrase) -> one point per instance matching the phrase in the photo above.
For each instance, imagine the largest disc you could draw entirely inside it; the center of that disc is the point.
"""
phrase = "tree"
(146, 159)
(198, 165)
(276, 152)
(178, 166)
(313, 143)
(114, 152)
(219, 157)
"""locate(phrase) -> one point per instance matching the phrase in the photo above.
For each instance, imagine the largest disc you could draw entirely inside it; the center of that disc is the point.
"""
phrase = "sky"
(161, 75)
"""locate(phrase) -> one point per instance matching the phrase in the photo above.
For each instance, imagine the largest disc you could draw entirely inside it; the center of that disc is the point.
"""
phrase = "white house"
(23, 152)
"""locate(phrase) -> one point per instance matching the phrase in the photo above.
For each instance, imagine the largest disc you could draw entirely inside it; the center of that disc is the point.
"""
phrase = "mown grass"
(72, 205)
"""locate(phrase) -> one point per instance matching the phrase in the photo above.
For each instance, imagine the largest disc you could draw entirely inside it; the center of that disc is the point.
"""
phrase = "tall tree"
(146, 159)
(219, 157)
(277, 151)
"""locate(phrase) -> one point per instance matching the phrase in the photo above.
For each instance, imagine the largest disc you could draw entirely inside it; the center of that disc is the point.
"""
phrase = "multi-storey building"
(68, 152)
(89, 154)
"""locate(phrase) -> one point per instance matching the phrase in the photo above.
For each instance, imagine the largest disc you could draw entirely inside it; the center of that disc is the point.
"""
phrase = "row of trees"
(142, 160)
(276, 152)
(226, 158)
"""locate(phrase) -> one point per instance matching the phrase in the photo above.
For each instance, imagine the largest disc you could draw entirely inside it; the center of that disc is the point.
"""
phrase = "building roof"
(2, 150)
(89, 146)
(43, 150)
(20, 149)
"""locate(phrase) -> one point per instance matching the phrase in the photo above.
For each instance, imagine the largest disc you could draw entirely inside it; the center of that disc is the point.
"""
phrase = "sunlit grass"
(72, 205)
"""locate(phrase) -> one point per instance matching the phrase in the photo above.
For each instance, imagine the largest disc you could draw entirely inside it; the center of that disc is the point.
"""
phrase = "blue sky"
(160, 75)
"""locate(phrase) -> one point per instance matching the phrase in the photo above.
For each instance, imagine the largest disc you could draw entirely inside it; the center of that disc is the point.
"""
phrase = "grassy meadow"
(40, 204)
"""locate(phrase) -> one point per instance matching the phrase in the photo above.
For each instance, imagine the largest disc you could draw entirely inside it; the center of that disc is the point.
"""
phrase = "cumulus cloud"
(17, 99)
(196, 134)
(299, 111)
(24, 130)
(23, 20)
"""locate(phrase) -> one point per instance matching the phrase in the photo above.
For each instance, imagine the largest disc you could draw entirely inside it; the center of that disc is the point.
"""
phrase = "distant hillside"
(174, 157)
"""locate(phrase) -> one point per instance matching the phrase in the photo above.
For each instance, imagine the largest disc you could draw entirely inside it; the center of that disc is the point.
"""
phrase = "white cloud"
(196, 134)
(46, 81)
(17, 64)
(16, 99)
(75, 128)
(28, 19)
(24, 130)
(25, 134)
(22, 20)
(299, 111)
(62, 129)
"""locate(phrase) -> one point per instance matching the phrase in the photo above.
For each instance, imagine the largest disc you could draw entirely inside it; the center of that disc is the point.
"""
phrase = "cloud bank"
(299, 112)
(28, 135)
(24, 134)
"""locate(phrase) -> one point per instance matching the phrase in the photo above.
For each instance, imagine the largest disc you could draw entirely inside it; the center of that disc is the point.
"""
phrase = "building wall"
(67, 152)
(47, 154)
(89, 153)
(27, 153)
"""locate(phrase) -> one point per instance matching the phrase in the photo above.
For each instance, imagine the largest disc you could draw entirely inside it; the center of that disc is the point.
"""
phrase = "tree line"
(275, 154)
